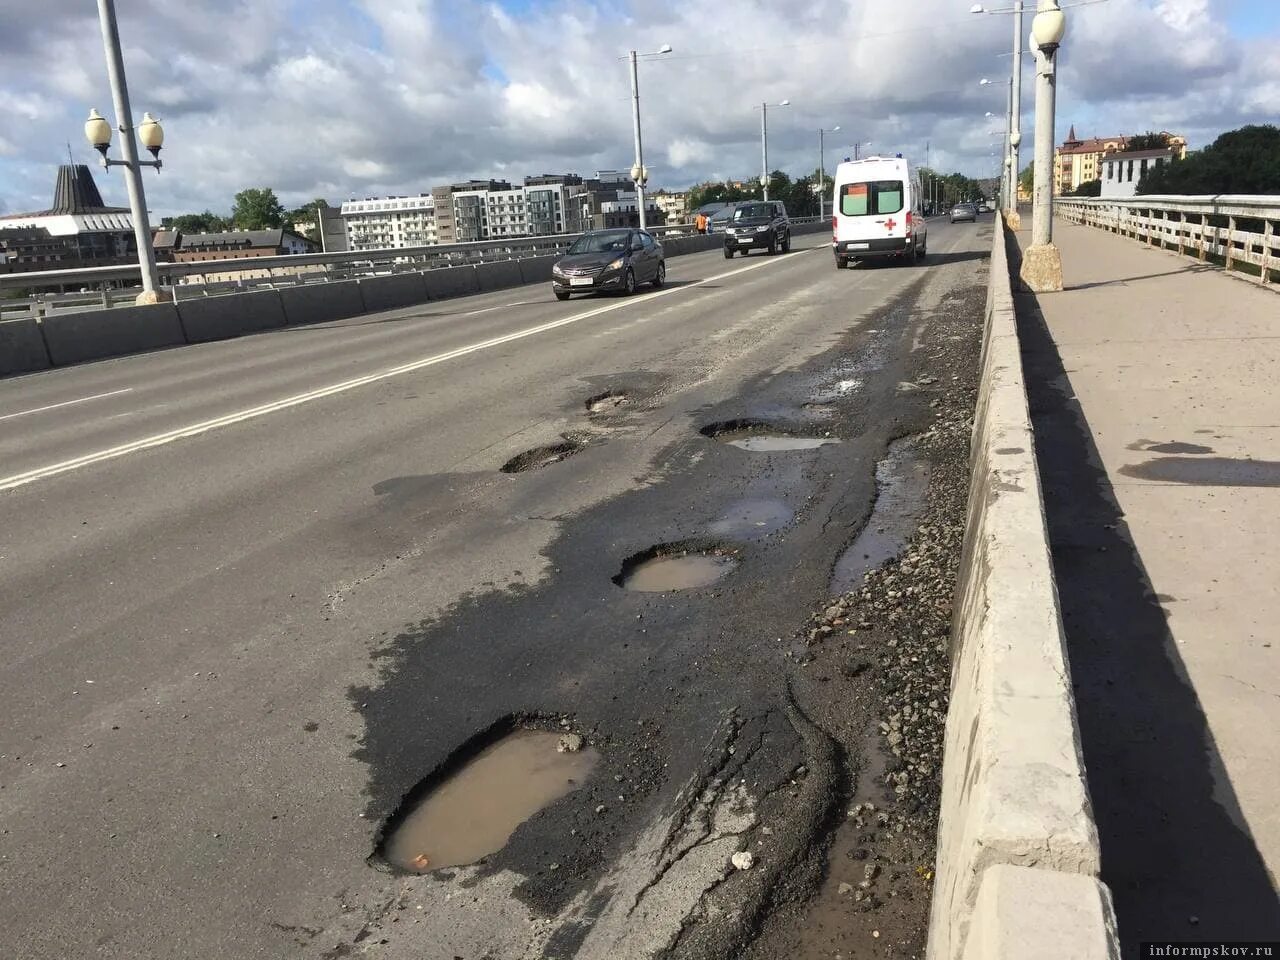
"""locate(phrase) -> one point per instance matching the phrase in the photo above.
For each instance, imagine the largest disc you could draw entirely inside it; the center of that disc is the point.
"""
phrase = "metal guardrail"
(191, 279)
(1201, 226)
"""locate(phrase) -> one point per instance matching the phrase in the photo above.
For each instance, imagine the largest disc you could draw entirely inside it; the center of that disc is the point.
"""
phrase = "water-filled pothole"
(542, 456)
(752, 517)
(607, 402)
(473, 813)
(901, 484)
(760, 436)
(675, 567)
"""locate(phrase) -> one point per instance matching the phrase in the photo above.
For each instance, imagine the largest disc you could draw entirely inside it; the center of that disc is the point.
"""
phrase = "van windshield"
(870, 198)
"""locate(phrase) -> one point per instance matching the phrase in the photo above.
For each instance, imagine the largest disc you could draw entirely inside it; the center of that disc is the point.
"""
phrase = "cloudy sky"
(354, 98)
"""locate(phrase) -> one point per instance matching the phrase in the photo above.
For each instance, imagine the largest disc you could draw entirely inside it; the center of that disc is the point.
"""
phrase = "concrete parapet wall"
(445, 282)
(1014, 792)
(220, 318)
(393, 291)
(498, 275)
(321, 302)
(537, 269)
(95, 334)
(22, 348)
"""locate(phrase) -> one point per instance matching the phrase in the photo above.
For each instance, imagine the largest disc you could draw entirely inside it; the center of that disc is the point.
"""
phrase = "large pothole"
(760, 436)
(542, 456)
(607, 402)
(470, 814)
(669, 567)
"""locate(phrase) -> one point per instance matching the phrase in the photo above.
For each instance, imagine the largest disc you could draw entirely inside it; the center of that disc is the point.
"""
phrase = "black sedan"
(609, 260)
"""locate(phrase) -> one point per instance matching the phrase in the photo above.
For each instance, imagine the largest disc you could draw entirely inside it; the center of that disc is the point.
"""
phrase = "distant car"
(964, 211)
(609, 261)
(759, 224)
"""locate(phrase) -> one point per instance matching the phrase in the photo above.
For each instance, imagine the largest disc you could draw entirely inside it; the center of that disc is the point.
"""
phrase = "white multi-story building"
(506, 212)
(381, 223)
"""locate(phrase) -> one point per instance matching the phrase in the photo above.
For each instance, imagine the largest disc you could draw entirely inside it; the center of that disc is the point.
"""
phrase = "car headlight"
(557, 271)
(763, 229)
(616, 264)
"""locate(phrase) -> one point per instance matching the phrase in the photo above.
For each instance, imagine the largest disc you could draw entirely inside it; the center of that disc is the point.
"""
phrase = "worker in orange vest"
(701, 223)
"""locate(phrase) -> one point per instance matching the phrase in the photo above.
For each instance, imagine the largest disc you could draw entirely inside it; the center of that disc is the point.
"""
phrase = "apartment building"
(506, 212)
(1079, 161)
(382, 223)
(674, 206)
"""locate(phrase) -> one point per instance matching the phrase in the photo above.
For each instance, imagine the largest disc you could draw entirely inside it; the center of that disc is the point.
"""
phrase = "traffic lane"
(150, 393)
(212, 684)
(135, 516)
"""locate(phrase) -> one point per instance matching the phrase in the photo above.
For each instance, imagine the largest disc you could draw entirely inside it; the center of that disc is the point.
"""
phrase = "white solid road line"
(204, 426)
(65, 403)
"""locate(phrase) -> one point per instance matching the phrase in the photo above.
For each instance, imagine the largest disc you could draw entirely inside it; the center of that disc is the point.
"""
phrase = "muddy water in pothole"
(473, 813)
(753, 517)
(770, 443)
(662, 574)
(901, 482)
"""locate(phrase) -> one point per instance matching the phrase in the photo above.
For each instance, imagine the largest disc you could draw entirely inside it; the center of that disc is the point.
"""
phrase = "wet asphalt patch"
(762, 436)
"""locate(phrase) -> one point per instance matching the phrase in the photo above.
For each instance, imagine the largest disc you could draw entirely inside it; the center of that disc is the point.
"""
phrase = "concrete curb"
(1014, 792)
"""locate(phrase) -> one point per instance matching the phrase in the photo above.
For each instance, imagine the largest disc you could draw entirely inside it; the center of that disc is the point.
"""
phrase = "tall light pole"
(99, 133)
(639, 175)
(1042, 262)
(822, 171)
(764, 144)
(1015, 110)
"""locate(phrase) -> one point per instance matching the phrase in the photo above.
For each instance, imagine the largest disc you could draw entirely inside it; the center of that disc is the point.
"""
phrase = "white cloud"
(341, 98)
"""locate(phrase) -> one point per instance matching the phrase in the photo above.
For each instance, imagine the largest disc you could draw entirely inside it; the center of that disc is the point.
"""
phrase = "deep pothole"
(470, 811)
(760, 436)
(542, 456)
(902, 481)
(607, 402)
(669, 567)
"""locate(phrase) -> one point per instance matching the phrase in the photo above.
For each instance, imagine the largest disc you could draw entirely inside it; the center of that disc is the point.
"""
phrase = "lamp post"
(639, 174)
(764, 144)
(822, 171)
(1042, 262)
(1015, 110)
(98, 132)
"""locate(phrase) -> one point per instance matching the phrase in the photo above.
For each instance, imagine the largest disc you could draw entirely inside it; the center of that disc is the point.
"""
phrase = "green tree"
(206, 222)
(1089, 188)
(1027, 178)
(257, 208)
(1245, 161)
(1148, 141)
(307, 214)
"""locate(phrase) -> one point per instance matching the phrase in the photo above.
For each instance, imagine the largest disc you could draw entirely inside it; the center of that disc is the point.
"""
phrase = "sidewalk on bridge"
(1154, 386)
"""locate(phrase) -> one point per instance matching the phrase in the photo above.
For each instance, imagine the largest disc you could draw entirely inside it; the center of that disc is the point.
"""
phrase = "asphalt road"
(255, 590)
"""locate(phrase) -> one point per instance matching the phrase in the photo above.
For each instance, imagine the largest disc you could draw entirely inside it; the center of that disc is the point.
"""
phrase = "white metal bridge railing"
(1240, 232)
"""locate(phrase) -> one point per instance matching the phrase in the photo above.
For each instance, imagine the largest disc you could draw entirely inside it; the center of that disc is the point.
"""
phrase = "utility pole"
(638, 170)
(1015, 134)
(129, 150)
(764, 149)
(1042, 261)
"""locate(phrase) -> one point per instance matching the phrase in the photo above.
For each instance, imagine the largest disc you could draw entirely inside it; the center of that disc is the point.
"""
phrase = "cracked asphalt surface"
(230, 657)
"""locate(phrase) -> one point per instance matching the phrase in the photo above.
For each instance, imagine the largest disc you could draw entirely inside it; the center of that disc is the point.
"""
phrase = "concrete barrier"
(1013, 784)
(95, 334)
(445, 282)
(393, 292)
(320, 302)
(537, 269)
(498, 275)
(22, 348)
(233, 315)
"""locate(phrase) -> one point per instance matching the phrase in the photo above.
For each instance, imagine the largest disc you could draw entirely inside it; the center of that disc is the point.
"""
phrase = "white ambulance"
(878, 211)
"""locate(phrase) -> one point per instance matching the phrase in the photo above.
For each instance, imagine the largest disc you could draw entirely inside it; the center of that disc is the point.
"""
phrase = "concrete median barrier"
(22, 348)
(319, 302)
(393, 292)
(445, 282)
(498, 275)
(96, 334)
(537, 269)
(221, 318)
(1014, 792)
